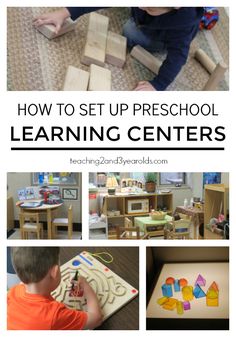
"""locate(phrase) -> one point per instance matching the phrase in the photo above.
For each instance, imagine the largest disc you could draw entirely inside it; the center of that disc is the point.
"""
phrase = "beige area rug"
(35, 63)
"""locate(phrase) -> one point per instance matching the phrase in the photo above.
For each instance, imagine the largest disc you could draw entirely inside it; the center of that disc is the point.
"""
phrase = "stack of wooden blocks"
(102, 46)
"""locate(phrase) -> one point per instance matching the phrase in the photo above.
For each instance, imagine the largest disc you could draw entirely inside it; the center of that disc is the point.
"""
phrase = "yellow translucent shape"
(170, 304)
(180, 308)
(212, 302)
(187, 293)
(162, 300)
(212, 294)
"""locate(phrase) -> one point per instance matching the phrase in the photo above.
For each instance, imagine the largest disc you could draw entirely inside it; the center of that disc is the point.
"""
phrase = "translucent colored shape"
(187, 293)
(176, 285)
(214, 286)
(170, 280)
(200, 281)
(211, 293)
(186, 305)
(198, 292)
(162, 300)
(170, 304)
(167, 290)
(183, 282)
(212, 302)
(180, 308)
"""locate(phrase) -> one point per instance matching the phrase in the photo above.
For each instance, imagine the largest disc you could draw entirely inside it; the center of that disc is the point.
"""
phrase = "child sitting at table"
(169, 29)
(30, 305)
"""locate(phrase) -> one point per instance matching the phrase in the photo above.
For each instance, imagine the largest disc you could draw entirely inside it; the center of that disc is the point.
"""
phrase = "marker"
(75, 278)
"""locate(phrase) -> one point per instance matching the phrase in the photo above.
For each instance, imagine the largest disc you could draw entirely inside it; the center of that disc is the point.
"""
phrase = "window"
(172, 178)
(54, 178)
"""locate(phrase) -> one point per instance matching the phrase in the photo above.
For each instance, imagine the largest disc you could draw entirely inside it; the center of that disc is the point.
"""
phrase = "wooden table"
(126, 265)
(143, 222)
(196, 214)
(44, 208)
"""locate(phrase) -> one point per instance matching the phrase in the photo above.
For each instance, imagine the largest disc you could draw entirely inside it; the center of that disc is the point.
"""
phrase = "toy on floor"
(210, 17)
(216, 71)
(189, 293)
(112, 291)
(101, 46)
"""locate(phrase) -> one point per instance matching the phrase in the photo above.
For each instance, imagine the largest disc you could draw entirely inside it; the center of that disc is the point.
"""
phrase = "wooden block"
(76, 79)
(95, 46)
(205, 60)
(49, 30)
(216, 77)
(146, 58)
(100, 78)
(116, 49)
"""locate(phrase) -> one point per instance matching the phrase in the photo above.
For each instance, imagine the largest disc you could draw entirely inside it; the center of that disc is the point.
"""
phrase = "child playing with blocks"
(30, 305)
(169, 29)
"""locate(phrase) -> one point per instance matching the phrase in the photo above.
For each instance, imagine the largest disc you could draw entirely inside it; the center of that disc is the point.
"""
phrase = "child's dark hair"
(33, 263)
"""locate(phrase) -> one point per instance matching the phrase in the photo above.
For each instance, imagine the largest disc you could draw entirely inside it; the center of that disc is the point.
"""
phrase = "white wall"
(196, 188)
(179, 194)
(225, 178)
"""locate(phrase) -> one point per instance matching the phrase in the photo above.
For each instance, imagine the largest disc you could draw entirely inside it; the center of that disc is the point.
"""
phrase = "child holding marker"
(169, 29)
(30, 305)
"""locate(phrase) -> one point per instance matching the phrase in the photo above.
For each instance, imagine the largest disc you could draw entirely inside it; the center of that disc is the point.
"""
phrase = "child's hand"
(78, 287)
(82, 283)
(93, 307)
(144, 86)
(155, 11)
(56, 18)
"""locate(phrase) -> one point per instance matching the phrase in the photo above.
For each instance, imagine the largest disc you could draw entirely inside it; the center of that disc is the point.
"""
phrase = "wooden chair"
(128, 222)
(180, 229)
(63, 222)
(29, 223)
(130, 233)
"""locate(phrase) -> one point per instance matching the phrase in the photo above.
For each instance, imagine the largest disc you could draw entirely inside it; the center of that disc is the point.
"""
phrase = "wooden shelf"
(119, 202)
(217, 187)
(98, 230)
(114, 216)
(216, 201)
(136, 214)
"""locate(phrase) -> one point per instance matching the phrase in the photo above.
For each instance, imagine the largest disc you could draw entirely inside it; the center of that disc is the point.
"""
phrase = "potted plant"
(150, 181)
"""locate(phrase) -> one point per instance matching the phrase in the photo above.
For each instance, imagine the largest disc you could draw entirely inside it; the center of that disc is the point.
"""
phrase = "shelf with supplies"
(120, 206)
(97, 228)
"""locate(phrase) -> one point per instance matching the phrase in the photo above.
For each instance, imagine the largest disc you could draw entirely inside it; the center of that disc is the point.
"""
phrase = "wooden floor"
(208, 235)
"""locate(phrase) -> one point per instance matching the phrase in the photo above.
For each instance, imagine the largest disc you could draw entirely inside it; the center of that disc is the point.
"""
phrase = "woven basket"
(158, 215)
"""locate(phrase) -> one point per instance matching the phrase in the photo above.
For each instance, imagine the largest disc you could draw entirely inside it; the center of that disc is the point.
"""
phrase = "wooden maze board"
(112, 291)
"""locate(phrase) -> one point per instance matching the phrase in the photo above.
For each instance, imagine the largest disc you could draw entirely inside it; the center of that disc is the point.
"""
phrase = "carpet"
(35, 63)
